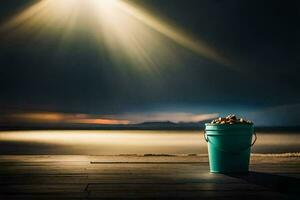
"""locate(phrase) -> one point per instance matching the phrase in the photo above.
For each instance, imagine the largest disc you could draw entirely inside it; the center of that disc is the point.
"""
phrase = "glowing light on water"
(97, 137)
(128, 142)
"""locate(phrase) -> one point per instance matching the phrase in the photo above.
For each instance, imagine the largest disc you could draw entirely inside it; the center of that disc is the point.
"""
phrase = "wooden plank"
(43, 188)
(140, 194)
(42, 179)
(137, 177)
(174, 187)
(61, 196)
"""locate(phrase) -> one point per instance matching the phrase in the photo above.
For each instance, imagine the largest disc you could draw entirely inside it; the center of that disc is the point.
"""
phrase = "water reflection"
(128, 142)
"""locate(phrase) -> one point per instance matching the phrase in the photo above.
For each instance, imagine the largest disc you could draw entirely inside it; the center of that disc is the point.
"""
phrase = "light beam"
(126, 30)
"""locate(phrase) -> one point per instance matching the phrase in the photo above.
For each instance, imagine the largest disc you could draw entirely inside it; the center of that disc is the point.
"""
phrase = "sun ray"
(127, 31)
(173, 33)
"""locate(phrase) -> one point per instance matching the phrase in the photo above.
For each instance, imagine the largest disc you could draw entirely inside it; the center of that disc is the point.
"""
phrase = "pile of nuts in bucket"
(230, 119)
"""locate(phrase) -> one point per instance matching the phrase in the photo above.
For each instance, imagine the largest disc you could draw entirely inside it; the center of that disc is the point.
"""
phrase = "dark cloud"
(260, 37)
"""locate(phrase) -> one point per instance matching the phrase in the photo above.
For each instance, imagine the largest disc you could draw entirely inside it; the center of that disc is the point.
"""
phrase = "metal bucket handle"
(232, 152)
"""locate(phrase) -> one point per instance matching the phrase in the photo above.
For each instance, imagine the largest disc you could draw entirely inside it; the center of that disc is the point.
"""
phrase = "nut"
(230, 119)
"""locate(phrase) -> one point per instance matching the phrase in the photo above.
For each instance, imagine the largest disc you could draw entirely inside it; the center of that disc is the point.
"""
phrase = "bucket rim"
(220, 127)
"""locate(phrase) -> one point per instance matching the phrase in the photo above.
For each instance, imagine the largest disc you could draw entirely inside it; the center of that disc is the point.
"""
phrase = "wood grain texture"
(144, 177)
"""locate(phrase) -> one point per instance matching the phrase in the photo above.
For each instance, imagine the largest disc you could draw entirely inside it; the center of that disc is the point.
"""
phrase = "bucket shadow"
(286, 185)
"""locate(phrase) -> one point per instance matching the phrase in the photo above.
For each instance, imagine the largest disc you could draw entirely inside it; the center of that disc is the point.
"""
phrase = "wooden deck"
(145, 177)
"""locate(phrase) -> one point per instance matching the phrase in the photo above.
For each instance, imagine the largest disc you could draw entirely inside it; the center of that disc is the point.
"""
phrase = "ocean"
(116, 142)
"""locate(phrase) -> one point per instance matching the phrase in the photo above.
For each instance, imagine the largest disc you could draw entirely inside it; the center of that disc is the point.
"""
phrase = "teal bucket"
(229, 147)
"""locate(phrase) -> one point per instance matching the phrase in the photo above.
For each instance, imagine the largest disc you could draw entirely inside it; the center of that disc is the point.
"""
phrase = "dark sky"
(260, 38)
